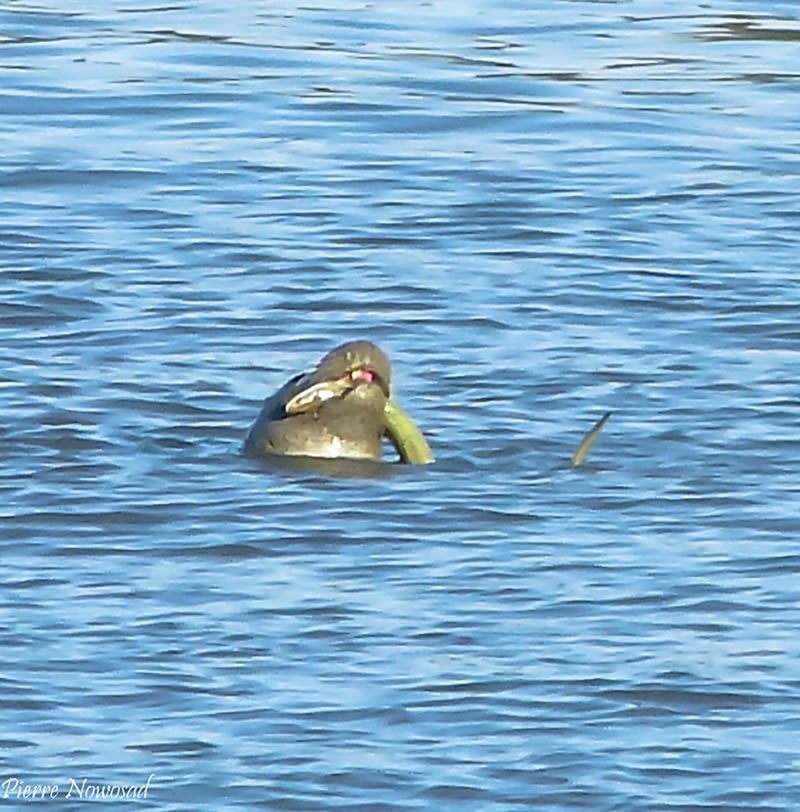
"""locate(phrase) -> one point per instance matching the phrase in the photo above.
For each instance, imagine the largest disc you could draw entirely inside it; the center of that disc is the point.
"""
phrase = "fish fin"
(588, 441)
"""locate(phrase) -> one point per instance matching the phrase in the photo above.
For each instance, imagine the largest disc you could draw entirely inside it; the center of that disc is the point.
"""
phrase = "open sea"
(542, 211)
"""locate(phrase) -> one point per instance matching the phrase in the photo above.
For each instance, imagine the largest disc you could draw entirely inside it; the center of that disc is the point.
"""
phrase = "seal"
(341, 409)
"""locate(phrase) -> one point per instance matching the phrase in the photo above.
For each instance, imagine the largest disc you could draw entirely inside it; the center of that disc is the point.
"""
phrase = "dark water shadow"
(746, 27)
(334, 468)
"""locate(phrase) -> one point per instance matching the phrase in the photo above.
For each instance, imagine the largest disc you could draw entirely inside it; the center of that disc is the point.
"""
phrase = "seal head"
(337, 410)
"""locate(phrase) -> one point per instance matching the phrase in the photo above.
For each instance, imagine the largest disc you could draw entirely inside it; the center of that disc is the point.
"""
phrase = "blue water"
(541, 211)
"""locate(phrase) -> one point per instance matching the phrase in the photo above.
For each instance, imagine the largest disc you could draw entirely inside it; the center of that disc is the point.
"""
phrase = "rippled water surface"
(542, 211)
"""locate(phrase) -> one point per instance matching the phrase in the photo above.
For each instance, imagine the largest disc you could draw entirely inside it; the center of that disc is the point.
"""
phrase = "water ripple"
(541, 218)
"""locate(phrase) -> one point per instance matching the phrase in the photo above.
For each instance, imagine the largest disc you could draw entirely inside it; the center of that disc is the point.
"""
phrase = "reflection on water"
(747, 27)
(344, 468)
(542, 212)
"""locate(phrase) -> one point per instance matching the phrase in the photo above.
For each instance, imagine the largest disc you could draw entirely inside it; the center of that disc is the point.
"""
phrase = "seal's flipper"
(588, 441)
(405, 436)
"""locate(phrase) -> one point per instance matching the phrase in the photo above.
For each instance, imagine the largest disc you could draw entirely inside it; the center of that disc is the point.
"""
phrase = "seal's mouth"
(312, 397)
(361, 375)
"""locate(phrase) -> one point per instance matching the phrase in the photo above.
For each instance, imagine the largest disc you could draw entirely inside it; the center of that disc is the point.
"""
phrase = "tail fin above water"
(588, 441)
